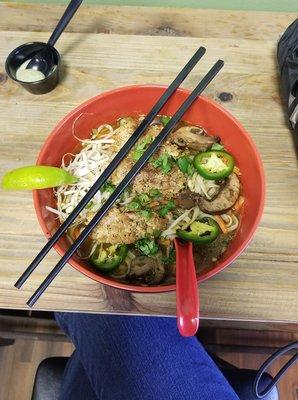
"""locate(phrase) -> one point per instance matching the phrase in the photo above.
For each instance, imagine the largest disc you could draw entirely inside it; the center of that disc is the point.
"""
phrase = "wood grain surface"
(112, 47)
(159, 21)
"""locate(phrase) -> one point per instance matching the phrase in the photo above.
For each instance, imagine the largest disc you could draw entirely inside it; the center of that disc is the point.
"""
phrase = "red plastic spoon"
(187, 298)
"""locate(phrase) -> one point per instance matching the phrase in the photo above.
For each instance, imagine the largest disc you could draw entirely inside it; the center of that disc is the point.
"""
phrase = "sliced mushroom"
(192, 137)
(146, 270)
(226, 197)
(186, 199)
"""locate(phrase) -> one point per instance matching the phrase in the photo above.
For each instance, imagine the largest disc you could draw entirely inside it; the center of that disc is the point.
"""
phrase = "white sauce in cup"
(28, 75)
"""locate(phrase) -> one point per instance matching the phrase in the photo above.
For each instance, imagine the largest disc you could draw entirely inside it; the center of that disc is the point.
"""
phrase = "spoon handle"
(66, 17)
(186, 289)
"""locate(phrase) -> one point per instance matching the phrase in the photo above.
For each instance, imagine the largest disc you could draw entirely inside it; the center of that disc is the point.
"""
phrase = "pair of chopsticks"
(113, 165)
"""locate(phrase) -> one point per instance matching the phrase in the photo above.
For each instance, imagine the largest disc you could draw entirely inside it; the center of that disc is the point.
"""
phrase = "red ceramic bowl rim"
(165, 288)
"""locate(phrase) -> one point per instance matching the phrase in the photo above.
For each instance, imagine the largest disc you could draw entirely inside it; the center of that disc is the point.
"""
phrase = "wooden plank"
(262, 283)
(151, 21)
(19, 363)
(12, 324)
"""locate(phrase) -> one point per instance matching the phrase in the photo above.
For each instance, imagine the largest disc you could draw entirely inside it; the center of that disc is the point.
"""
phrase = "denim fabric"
(137, 358)
(76, 385)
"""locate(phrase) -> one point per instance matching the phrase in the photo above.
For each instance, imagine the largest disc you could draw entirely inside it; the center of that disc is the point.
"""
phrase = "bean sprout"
(182, 222)
(87, 166)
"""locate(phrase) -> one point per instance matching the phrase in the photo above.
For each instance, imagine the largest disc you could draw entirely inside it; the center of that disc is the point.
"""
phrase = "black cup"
(23, 53)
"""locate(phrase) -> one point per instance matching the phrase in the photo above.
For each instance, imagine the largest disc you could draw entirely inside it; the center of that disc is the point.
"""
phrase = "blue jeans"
(137, 358)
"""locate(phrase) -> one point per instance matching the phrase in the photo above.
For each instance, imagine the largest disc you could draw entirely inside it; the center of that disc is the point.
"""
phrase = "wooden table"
(107, 47)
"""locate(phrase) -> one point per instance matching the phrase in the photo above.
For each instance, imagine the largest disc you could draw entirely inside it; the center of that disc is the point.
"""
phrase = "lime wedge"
(36, 177)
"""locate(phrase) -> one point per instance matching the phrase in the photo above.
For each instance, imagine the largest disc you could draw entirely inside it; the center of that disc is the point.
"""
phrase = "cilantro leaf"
(141, 147)
(163, 211)
(190, 170)
(145, 213)
(108, 187)
(164, 120)
(133, 206)
(165, 162)
(155, 193)
(140, 204)
(146, 246)
(143, 198)
(185, 165)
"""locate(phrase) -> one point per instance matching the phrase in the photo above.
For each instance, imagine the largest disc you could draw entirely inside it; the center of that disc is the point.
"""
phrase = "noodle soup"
(190, 188)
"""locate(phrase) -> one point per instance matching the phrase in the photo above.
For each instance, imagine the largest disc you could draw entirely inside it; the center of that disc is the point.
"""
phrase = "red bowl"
(136, 100)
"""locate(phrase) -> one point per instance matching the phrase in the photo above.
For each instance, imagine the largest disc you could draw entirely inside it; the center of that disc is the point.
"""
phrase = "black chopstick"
(113, 165)
(128, 178)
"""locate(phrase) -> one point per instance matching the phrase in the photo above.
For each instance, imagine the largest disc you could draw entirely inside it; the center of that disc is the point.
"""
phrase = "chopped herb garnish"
(190, 170)
(165, 120)
(163, 211)
(217, 146)
(108, 187)
(90, 204)
(155, 193)
(145, 213)
(141, 147)
(143, 198)
(185, 165)
(133, 206)
(147, 246)
(165, 162)
(140, 204)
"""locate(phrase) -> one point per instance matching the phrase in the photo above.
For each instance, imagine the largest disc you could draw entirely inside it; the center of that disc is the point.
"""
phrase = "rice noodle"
(232, 222)
(227, 219)
(204, 187)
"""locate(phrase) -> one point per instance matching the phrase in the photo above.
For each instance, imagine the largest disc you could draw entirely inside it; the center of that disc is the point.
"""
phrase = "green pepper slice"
(203, 231)
(214, 165)
(108, 257)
